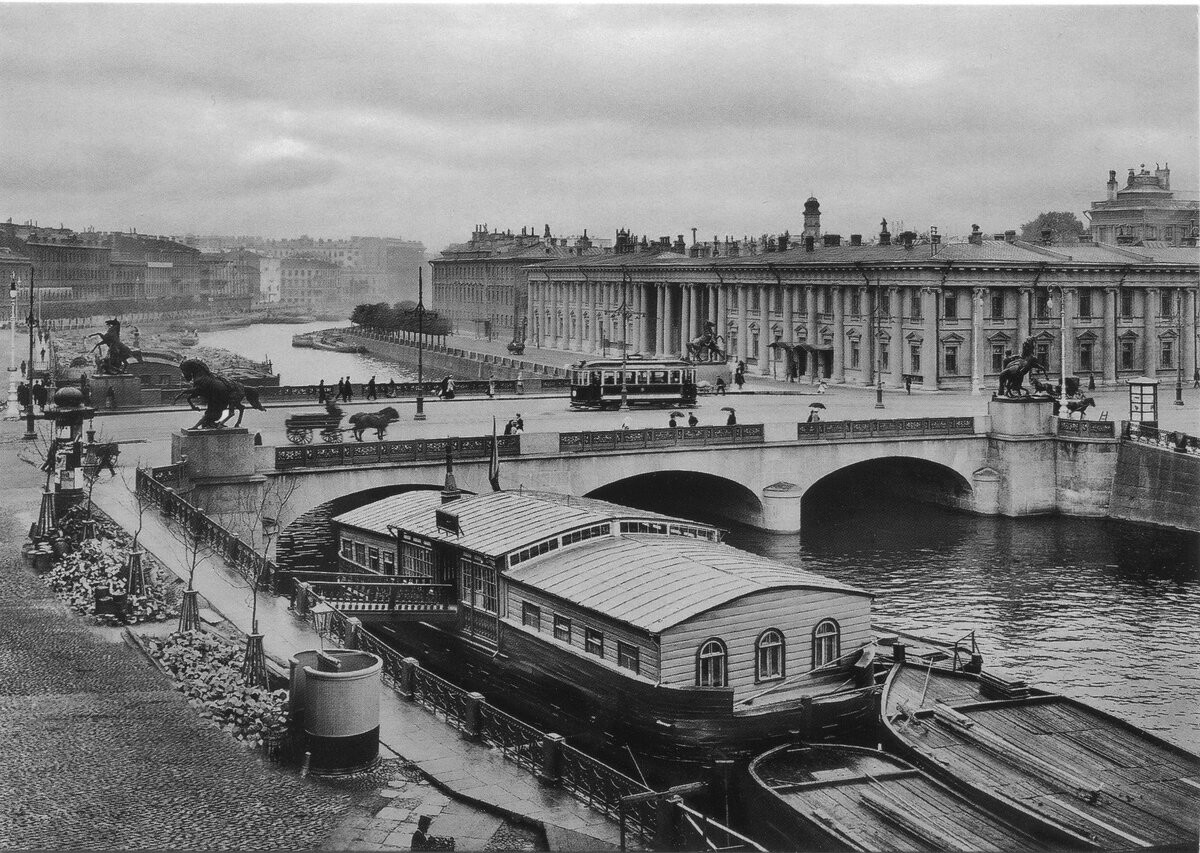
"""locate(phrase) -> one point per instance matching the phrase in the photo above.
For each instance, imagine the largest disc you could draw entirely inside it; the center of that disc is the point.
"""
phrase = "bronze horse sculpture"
(377, 421)
(117, 356)
(707, 346)
(218, 393)
(1016, 368)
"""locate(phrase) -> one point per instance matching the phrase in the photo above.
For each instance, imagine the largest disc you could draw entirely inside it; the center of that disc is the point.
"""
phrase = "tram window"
(610, 378)
(629, 377)
(674, 377)
(658, 377)
(641, 377)
(595, 377)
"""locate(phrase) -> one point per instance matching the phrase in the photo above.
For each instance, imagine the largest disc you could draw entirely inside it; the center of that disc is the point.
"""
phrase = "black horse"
(377, 421)
(218, 393)
(116, 359)
(1015, 369)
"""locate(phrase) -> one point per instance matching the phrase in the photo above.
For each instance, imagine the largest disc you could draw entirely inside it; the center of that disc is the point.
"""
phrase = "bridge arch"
(913, 479)
(691, 494)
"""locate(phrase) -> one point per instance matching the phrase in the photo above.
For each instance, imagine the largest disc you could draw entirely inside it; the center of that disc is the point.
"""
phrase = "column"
(1067, 333)
(533, 313)
(593, 317)
(929, 346)
(722, 319)
(552, 330)
(1024, 299)
(643, 320)
(839, 335)
(579, 301)
(896, 346)
(743, 349)
(669, 338)
(978, 295)
(687, 315)
(660, 342)
(789, 321)
(1187, 348)
(764, 330)
(714, 291)
(1108, 338)
(1150, 333)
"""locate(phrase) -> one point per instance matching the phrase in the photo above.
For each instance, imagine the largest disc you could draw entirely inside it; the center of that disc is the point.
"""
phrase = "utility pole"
(878, 310)
(30, 433)
(13, 410)
(420, 414)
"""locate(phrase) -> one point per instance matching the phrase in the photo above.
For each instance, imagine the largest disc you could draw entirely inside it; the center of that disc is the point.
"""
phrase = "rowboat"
(834, 797)
(1070, 772)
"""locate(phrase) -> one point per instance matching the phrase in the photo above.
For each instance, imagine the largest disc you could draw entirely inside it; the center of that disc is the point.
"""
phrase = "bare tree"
(193, 533)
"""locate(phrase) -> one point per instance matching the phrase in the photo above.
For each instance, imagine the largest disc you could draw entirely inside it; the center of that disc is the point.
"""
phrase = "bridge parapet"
(643, 439)
(884, 428)
(1068, 428)
(1180, 442)
(411, 450)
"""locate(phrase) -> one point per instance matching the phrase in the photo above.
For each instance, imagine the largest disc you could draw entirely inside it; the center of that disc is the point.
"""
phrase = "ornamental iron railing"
(1174, 440)
(1086, 429)
(651, 439)
(376, 452)
(888, 428)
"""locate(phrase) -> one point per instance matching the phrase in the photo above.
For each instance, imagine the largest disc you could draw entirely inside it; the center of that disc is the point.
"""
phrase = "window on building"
(389, 563)
(373, 559)
(997, 305)
(1167, 353)
(1126, 303)
(1127, 354)
(950, 305)
(883, 358)
(770, 655)
(1151, 232)
(855, 303)
(531, 616)
(418, 560)
(1166, 303)
(347, 549)
(360, 553)
(1085, 304)
(562, 629)
(1042, 352)
(1169, 233)
(593, 642)
(1085, 356)
(914, 359)
(951, 359)
(1043, 305)
(827, 300)
(628, 657)
(827, 643)
(711, 670)
(997, 357)
(914, 311)
(854, 353)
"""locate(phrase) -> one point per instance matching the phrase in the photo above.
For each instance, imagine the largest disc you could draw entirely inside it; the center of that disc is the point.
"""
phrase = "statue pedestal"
(1021, 416)
(115, 392)
(220, 470)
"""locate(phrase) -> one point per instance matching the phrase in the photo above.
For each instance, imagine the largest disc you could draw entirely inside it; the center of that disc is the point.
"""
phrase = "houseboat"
(836, 797)
(643, 626)
(1068, 772)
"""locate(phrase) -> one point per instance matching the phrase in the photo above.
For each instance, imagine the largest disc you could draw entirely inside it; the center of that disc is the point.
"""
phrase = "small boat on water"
(335, 344)
(1069, 772)
(189, 340)
(834, 797)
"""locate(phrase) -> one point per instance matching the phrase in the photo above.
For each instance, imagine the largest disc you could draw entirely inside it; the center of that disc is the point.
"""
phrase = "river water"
(298, 366)
(1103, 611)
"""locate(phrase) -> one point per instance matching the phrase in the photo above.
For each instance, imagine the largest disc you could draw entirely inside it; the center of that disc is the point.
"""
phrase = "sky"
(421, 121)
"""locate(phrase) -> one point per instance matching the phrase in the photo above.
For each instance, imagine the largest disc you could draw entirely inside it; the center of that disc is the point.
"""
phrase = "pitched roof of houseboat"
(493, 523)
(654, 582)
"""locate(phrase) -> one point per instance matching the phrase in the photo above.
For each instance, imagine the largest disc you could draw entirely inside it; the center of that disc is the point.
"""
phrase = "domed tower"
(812, 218)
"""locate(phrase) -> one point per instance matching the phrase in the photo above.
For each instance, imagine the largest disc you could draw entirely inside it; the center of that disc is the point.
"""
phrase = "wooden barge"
(638, 624)
(1070, 773)
(849, 798)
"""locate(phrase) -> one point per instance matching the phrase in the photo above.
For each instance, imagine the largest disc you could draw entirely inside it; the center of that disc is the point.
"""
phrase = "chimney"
(450, 490)
(1112, 184)
(829, 240)
(976, 237)
(809, 242)
(1010, 236)
(784, 239)
(908, 238)
(855, 239)
(885, 237)
(999, 238)
(1047, 236)
(1163, 175)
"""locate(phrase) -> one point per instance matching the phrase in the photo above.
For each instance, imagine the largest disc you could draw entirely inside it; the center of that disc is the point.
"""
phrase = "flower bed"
(207, 667)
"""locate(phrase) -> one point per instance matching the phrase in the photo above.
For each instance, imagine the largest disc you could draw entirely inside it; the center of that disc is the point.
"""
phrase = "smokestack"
(1112, 184)
(975, 238)
(809, 242)
(855, 239)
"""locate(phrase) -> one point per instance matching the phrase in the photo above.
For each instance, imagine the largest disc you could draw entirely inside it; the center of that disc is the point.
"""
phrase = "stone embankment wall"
(1084, 471)
(460, 363)
(1154, 485)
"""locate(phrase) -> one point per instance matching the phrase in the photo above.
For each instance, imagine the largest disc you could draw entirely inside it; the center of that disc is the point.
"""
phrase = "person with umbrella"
(813, 412)
(732, 419)
(673, 423)
(692, 419)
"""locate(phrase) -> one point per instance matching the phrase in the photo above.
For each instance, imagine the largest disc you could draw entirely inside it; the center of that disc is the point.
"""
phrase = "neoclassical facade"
(944, 315)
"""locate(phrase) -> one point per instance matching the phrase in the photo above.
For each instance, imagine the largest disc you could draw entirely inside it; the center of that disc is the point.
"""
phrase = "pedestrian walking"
(822, 387)
(39, 394)
(739, 375)
(732, 419)
(813, 417)
(321, 391)
(491, 387)
(23, 396)
(1196, 378)
(908, 383)
(520, 382)
(371, 389)
(625, 423)
(692, 419)
(671, 423)
(349, 390)
(721, 386)
(518, 424)
(1091, 381)
(509, 427)
(341, 390)
(391, 389)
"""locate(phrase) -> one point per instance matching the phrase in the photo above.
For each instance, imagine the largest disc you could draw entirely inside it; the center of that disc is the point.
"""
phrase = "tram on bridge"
(648, 382)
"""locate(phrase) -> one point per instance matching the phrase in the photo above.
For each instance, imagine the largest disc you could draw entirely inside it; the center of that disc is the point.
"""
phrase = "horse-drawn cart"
(300, 428)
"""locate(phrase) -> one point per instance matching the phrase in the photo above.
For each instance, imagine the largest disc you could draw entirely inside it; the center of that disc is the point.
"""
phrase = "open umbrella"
(727, 408)
(677, 414)
(816, 405)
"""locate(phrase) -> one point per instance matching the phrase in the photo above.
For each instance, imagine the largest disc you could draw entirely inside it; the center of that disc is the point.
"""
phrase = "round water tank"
(335, 698)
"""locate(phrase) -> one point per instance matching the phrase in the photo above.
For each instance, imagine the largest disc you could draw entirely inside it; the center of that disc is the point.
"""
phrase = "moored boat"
(1072, 773)
(836, 797)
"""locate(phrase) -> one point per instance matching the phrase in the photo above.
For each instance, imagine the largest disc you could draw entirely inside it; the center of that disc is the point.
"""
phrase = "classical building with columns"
(944, 315)
(1145, 210)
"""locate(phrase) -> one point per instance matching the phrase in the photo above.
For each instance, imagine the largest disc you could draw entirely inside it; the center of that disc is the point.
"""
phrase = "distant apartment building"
(308, 283)
(269, 281)
(480, 286)
(1145, 210)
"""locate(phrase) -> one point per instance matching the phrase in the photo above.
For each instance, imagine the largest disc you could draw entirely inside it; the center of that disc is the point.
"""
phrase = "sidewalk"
(473, 772)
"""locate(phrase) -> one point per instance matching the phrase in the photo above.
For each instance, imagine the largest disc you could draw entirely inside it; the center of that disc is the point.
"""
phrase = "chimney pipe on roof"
(975, 238)
(1047, 236)
(809, 242)
(908, 238)
(855, 239)
(1010, 236)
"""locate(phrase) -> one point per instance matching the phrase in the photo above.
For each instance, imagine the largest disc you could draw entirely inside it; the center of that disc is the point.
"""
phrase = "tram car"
(648, 382)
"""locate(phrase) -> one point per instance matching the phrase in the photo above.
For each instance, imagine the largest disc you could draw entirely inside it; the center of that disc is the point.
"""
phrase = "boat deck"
(1073, 765)
(873, 801)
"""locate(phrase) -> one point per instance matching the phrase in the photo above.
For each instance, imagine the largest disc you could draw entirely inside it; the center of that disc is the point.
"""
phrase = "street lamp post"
(420, 414)
(30, 433)
(12, 410)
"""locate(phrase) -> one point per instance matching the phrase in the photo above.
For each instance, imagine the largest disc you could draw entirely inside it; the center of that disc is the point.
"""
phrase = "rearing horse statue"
(1016, 368)
(117, 357)
(218, 394)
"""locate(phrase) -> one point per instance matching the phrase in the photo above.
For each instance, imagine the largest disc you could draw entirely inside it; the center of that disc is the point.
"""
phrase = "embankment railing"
(1180, 442)
(1086, 429)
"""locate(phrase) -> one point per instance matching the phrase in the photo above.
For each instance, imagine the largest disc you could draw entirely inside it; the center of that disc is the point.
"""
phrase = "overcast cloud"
(420, 121)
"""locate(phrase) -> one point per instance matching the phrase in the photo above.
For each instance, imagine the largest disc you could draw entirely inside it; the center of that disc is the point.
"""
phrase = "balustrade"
(648, 439)
(889, 428)
(1179, 442)
(411, 450)
(1086, 429)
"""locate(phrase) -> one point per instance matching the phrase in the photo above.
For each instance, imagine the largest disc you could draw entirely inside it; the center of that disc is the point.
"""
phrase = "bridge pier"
(781, 508)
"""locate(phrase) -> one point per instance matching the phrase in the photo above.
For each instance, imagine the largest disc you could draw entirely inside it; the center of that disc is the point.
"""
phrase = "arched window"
(827, 642)
(711, 669)
(769, 655)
